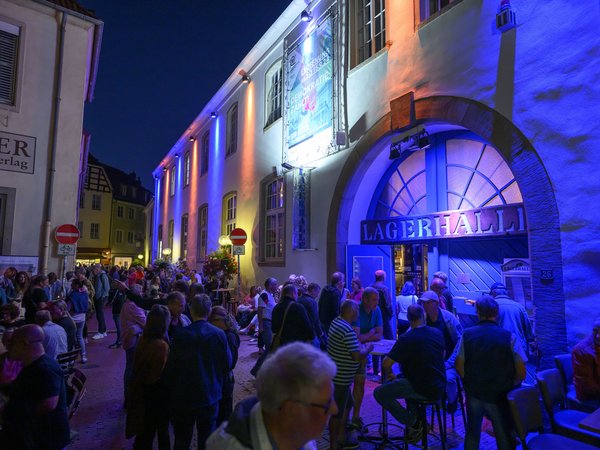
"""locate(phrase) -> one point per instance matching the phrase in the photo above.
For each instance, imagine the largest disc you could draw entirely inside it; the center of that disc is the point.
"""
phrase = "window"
(229, 212)
(119, 236)
(186, 169)
(80, 228)
(131, 213)
(159, 236)
(428, 8)
(94, 231)
(130, 237)
(274, 220)
(172, 181)
(184, 235)
(120, 211)
(171, 233)
(274, 91)
(204, 153)
(96, 202)
(82, 199)
(202, 231)
(9, 55)
(232, 129)
(369, 26)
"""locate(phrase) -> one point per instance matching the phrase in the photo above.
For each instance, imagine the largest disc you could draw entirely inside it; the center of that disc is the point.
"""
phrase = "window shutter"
(8, 66)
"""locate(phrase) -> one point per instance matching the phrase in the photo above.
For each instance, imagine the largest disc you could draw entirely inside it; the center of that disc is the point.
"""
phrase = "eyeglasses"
(326, 407)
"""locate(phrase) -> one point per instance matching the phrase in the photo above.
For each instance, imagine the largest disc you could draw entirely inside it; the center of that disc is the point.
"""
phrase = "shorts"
(343, 399)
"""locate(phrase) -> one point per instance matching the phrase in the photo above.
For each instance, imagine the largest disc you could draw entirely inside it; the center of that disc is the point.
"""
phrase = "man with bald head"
(36, 413)
(438, 285)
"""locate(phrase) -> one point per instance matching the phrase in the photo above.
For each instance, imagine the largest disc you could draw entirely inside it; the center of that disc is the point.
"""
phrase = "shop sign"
(17, 152)
(482, 222)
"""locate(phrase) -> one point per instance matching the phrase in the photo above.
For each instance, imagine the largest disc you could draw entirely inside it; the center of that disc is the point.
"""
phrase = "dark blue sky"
(160, 62)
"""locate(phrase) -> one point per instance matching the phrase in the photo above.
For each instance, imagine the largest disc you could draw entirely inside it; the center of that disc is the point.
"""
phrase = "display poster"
(17, 152)
(310, 86)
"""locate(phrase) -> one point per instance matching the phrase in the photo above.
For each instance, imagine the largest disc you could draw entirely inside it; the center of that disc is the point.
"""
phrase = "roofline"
(276, 31)
(98, 32)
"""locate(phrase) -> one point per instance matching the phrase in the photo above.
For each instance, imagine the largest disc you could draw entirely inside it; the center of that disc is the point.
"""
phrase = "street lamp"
(140, 256)
(166, 253)
(224, 240)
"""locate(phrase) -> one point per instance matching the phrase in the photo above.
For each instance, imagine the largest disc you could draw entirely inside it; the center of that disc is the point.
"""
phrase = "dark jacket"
(297, 325)
(312, 309)
(198, 363)
(329, 304)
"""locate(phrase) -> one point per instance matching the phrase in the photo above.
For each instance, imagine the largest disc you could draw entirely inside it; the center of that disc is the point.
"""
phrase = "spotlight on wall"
(213, 115)
(245, 78)
(192, 138)
(164, 169)
(306, 16)
(411, 143)
(287, 166)
(176, 155)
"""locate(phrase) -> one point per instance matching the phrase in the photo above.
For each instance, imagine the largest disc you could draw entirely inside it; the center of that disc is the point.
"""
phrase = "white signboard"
(239, 249)
(17, 152)
(66, 249)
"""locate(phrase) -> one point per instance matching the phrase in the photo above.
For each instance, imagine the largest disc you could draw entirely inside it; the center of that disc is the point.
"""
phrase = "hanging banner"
(483, 222)
(310, 85)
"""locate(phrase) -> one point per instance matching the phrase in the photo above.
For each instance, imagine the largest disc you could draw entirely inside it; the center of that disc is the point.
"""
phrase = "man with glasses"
(293, 403)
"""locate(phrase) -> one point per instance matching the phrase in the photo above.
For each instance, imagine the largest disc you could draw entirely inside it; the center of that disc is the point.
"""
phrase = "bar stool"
(437, 406)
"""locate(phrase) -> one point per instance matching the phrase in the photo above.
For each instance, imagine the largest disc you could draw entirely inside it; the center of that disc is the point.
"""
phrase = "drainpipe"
(52, 165)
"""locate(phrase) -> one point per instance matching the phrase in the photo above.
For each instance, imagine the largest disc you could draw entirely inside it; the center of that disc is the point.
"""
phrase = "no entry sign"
(67, 234)
(238, 236)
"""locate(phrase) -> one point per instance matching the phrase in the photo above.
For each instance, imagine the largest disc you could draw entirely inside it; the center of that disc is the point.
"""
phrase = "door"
(363, 260)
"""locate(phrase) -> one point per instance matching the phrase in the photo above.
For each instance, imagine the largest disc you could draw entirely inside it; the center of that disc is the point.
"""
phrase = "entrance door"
(363, 260)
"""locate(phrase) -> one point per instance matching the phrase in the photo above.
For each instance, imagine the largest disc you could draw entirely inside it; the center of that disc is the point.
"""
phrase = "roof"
(118, 179)
(74, 6)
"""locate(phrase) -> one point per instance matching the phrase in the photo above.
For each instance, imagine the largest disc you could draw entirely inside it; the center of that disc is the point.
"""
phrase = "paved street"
(100, 420)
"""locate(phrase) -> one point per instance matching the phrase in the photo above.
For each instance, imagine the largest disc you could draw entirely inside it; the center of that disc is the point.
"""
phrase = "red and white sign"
(238, 236)
(67, 234)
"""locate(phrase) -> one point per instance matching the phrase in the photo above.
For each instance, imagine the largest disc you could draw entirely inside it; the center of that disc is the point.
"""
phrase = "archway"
(538, 197)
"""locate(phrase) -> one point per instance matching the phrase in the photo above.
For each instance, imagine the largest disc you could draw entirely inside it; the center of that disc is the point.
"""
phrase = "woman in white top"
(406, 298)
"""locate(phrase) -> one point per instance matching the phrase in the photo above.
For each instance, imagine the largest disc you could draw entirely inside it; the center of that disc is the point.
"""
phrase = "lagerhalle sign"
(17, 152)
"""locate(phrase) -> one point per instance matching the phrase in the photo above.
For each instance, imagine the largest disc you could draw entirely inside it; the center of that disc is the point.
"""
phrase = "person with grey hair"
(294, 400)
(55, 338)
(198, 364)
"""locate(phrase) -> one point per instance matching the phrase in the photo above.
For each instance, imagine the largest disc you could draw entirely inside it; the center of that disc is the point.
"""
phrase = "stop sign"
(67, 234)
(238, 236)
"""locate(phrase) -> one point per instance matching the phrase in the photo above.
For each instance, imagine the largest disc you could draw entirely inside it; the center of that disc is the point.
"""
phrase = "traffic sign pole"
(238, 237)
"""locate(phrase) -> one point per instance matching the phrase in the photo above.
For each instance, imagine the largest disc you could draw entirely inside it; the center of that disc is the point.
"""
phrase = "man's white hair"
(295, 372)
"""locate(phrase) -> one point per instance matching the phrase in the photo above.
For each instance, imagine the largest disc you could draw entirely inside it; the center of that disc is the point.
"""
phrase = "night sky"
(160, 62)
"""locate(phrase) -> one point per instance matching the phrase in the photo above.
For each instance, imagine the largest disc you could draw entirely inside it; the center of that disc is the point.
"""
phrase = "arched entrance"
(524, 163)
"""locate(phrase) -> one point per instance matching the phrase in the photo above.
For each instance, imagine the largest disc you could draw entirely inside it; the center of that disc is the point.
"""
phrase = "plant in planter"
(220, 267)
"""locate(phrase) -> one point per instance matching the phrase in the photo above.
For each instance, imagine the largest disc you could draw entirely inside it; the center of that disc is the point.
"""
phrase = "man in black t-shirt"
(36, 413)
(420, 353)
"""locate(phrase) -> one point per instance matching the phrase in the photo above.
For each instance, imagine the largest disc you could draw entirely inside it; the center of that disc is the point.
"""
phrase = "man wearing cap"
(512, 315)
(452, 331)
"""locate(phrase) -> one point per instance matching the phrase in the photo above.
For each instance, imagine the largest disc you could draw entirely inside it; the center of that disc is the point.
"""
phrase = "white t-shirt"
(266, 301)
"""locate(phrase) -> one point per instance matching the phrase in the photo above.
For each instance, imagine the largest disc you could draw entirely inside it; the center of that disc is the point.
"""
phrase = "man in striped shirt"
(343, 348)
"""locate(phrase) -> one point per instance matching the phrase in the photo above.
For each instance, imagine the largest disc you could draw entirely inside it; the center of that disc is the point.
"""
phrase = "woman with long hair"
(147, 392)
(21, 285)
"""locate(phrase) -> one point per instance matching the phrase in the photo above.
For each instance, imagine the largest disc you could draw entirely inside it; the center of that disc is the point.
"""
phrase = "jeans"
(183, 422)
(117, 319)
(99, 305)
(500, 417)
(387, 395)
(451, 385)
(79, 337)
(267, 337)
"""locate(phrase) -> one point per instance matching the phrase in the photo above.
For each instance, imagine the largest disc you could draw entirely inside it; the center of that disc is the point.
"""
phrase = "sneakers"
(99, 336)
(358, 425)
(115, 345)
(83, 360)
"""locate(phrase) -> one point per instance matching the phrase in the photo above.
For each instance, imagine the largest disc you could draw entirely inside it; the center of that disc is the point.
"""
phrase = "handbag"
(277, 338)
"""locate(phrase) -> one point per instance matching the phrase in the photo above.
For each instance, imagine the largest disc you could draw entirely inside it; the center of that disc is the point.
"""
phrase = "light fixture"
(166, 251)
(213, 115)
(245, 78)
(140, 256)
(224, 240)
(411, 143)
(176, 155)
(306, 16)
(164, 169)
(192, 138)
(287, 166)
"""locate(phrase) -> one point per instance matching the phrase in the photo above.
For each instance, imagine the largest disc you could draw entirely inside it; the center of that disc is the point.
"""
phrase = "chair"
(66, 361)
(564, 363)
(437, 406)
(527, 414)
(76, 387)
(564, 421)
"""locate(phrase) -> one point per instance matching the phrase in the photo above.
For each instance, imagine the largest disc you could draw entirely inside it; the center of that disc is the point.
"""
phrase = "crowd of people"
(315, 355)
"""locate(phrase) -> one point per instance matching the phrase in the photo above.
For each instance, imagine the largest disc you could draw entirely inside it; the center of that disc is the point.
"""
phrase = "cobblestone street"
(100, 420)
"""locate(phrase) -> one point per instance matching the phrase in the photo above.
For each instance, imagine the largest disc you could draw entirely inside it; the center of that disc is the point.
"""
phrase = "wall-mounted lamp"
(506, 18)
(164, 169)
(213, 115)
(411, 143)
(306, 16)
(176, 155)
(245, 78)
(140, 256)
(192, 138)
(224, 240)
(166, 251)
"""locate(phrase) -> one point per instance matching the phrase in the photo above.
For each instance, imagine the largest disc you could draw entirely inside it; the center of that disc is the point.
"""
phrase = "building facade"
(48, 63)
(112, 217)
(410, 136)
